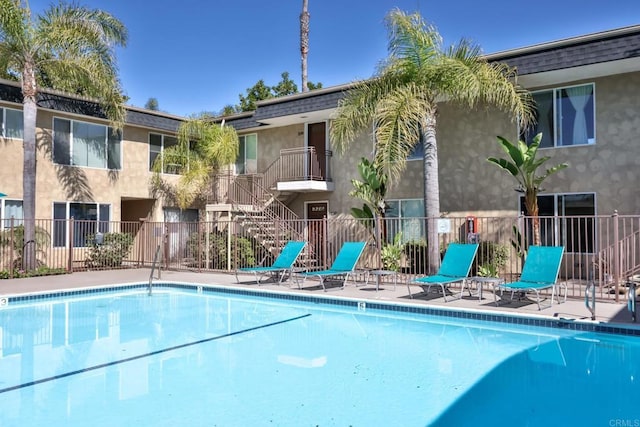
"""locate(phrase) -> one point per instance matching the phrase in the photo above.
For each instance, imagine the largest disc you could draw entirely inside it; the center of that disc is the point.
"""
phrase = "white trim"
(326, 144)
(67, 217)
(554, 91)
(3, 129)
(3, 209)
(244, 135)
(308, 202)
(107, 130)
(162, 136)
(308, 185)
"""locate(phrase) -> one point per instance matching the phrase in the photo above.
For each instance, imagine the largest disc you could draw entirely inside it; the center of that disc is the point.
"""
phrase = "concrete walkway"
(607, 312)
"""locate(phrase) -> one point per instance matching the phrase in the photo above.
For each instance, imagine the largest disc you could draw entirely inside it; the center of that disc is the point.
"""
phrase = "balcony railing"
(299, 164)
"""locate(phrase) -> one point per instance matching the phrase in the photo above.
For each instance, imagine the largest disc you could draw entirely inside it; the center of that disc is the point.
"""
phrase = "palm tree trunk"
(29, 92)
(431, 190)
(304, 42)
(531, 204)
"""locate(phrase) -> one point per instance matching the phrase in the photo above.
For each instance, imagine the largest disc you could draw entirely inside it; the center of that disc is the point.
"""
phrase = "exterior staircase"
(618, 262)
(261, 208)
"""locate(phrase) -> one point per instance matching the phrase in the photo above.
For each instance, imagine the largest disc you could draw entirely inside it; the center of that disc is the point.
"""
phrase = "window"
(409, 214)
(157, 144)
(247, 161)
(417, 153)
(86, 144)
(11, 123)
(565, 116)
(180, 215)
(89, 218)
(11, 209)
(574, 229)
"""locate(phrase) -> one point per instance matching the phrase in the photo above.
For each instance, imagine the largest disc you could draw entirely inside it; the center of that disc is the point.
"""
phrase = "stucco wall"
(468, 183)
(471, 185)
(58, 183)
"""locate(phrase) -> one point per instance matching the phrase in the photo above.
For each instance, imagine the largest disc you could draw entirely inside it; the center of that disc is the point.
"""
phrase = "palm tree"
(523, 165)
(70, 48)
(401, 100)
(304, 42)
(203, 148)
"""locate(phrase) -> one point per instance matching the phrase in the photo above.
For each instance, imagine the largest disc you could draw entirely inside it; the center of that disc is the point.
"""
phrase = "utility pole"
(304, 42)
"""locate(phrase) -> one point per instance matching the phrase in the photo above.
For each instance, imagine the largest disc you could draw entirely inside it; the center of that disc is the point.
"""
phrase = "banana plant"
(372, 189)
(522, 163)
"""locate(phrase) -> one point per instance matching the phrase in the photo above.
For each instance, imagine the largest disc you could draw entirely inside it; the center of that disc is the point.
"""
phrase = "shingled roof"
(607, 46)
(53, 100)
(317, 100)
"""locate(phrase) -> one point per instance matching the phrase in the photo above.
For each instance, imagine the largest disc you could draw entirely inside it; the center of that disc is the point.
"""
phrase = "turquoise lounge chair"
(540, 271)
(282, 264)
(343, 265)
(455, 267)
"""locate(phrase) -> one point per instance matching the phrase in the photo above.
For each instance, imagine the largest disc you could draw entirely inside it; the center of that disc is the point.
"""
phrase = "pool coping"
(514, 318)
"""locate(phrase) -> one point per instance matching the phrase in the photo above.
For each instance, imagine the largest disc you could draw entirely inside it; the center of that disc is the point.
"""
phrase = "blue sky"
(199, 55)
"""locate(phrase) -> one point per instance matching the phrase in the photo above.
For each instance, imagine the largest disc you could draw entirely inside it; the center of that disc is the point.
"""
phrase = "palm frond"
(14, 22)
(397, 127)
(356, 111)
(411, 38)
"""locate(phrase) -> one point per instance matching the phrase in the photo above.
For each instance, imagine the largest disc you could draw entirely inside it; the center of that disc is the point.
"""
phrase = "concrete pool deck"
(606, 312)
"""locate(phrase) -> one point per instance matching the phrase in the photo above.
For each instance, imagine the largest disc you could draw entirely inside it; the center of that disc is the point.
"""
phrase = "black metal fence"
(604, 250)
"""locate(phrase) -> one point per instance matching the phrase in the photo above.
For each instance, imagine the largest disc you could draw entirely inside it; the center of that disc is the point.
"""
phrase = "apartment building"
(586, 88)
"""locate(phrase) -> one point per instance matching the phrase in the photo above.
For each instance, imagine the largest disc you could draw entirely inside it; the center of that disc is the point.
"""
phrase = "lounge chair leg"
(409, 290)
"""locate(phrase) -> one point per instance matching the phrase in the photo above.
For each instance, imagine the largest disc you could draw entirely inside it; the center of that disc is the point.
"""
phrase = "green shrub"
(391, 254)
(242, 252)
(114, 249)
(42, 240)
(491, 258)
(40, 271)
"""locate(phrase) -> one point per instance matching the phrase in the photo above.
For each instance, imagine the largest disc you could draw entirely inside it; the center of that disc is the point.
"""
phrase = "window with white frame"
(86, 144)
(11, 212)
(157, 144)
(405, 215)
(11, 123)
(566, 220)
(247, 161)
(89, 218)
(565, 116)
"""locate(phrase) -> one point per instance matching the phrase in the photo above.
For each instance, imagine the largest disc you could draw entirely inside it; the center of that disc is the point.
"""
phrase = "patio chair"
(282, 264)
(540, 272)
(455, 267)
(344, 264)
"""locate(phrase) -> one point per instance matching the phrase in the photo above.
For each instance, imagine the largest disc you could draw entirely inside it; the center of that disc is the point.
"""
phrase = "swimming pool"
(194, 357)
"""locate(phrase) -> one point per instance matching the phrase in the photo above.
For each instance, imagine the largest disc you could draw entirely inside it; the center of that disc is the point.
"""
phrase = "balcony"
(300, 170)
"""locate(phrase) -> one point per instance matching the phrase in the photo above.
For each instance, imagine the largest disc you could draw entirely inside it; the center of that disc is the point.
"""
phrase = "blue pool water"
(184, 358)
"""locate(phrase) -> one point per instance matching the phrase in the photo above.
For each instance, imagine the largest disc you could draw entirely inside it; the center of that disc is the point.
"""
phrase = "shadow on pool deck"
(609, 312)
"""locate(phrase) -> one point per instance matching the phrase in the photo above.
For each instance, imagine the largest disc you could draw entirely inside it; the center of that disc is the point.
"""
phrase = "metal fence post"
(11, 248)
(325, 238)
(70, 244)
(142, 241)
(165, 249)
(229, 246)
(616, 256)
(199, 256)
